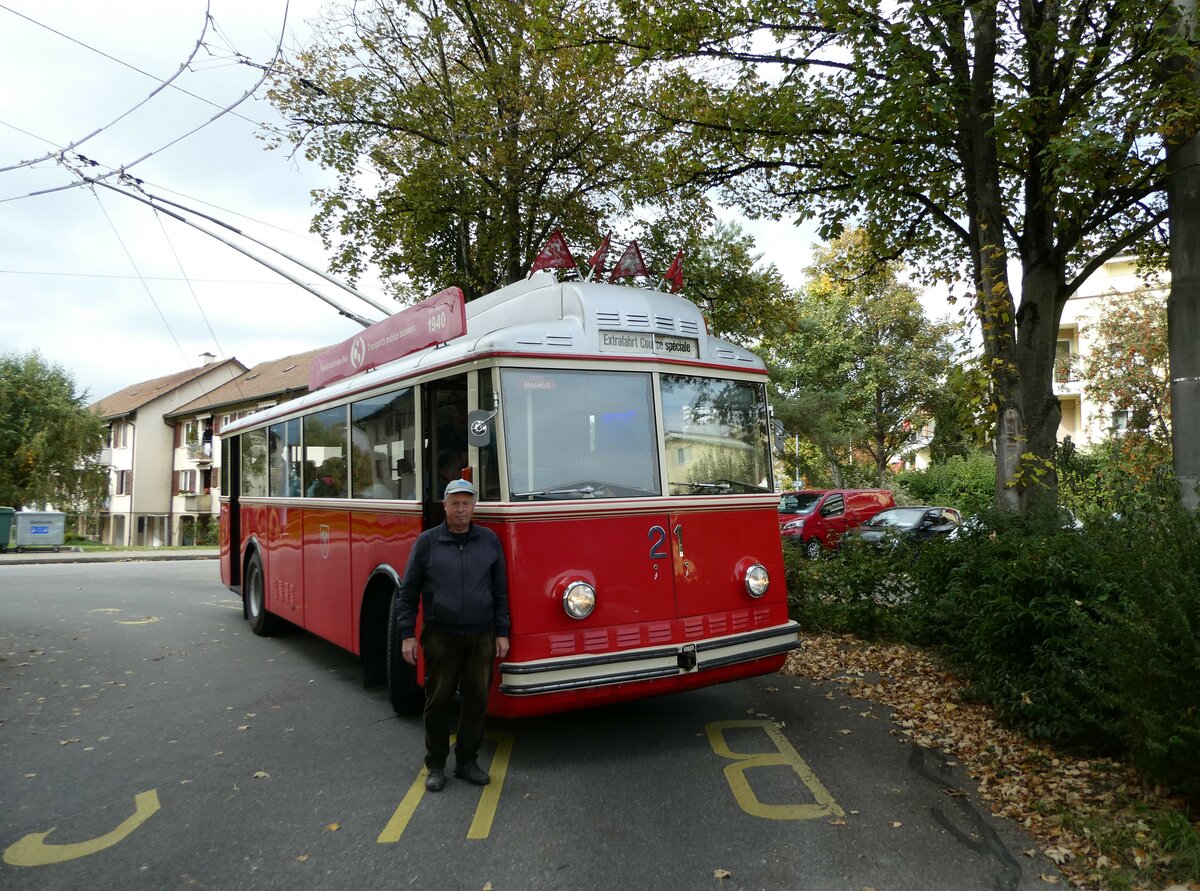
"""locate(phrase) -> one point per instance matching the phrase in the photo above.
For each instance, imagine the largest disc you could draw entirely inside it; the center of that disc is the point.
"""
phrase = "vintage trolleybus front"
(621, 455)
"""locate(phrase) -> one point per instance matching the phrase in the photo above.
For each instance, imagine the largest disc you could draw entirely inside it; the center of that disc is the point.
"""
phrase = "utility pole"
(1183, 302)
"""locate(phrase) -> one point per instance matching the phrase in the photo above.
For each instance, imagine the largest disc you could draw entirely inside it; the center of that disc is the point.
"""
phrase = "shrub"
(1087, 638)
(968, 484)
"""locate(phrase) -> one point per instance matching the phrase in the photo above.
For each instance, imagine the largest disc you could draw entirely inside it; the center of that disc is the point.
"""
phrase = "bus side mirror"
(479, 427)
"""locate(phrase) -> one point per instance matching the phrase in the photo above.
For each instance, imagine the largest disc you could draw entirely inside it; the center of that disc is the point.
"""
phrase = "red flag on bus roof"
(631, 263)
(555, 255)
(597, 261)
(675, 273)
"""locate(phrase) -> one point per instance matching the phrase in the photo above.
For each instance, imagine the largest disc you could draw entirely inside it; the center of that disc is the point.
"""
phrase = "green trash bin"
(6, 515)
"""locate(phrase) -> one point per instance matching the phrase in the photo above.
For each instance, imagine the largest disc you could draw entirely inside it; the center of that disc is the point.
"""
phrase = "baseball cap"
(457, 486)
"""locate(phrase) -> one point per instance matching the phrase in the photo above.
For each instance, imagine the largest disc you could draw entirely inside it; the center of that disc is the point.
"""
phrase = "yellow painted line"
(395, 827)
(485, 813)
(149, 620)
(32, 850)
(784, 755)
(489, 799)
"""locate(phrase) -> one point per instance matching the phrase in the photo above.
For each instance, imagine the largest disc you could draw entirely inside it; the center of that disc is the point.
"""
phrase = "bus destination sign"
(649, 344)
(434, 320)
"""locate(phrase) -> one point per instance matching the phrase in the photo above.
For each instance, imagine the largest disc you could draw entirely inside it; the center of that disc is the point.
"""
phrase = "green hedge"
(1089, 638)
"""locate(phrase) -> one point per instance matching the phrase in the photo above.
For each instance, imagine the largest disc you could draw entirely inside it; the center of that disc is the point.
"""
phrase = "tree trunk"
(1183, 302)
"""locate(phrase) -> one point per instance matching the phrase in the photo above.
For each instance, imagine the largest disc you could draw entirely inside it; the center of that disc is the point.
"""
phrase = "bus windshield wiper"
(545, 493)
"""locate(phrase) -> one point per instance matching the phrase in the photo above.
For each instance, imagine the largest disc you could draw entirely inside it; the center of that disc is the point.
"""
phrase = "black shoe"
(436, 781)
(472, 773)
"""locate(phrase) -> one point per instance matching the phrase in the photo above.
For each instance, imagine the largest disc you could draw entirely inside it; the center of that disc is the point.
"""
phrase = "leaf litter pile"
(1091, 816)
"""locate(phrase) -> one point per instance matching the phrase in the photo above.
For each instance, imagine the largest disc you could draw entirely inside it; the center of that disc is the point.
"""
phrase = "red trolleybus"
(621, 455)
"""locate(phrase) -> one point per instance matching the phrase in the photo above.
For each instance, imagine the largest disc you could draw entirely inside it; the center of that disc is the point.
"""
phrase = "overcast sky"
(103, 285)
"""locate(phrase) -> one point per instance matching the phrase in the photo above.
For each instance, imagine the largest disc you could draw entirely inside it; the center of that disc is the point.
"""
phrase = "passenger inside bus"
(328, 480)
(450, 465)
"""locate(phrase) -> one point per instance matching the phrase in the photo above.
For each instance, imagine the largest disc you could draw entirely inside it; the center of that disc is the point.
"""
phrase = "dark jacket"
(463, 589)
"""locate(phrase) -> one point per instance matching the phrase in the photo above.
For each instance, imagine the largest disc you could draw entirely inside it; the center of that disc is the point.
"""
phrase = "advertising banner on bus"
(434, 320)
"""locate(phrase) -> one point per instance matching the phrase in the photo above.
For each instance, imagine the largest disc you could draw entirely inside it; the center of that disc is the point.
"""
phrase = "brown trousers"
(463, 663)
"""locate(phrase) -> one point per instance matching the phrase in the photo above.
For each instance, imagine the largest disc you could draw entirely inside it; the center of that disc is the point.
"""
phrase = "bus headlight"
(757, 580)
(579, 599)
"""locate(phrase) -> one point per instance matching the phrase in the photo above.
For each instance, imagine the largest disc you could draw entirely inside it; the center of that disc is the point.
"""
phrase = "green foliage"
(1120, 474)
(1090, 639)
(967, 483)
(49, 440)
(967, 138)
(1127, 366)
(860, 365)
(852, 591)
(463, 132)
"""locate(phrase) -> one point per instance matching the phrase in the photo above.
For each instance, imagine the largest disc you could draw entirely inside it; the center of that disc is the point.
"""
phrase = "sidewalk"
(79, 555)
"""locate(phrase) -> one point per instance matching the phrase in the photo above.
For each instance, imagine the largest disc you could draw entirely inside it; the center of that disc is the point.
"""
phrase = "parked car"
(974, 524)
(817, 518)
(908, 524)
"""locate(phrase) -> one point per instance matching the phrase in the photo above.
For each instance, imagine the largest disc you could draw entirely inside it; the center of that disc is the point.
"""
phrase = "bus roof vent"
(559, 340)
(689, 327)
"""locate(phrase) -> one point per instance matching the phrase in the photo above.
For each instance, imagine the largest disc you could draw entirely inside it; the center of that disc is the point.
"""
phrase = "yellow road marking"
(785, 755)
(32, 850)
(485, 813)
(149, 620)
(489, 799)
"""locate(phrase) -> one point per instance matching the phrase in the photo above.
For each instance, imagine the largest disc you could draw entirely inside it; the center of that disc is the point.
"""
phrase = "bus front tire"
(405, 694)
(262, 622)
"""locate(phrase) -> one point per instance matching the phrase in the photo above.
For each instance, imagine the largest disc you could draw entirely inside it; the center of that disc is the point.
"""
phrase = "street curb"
(35, 559)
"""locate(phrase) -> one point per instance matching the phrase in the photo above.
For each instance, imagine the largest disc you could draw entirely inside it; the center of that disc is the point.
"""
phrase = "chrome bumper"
(627, 666)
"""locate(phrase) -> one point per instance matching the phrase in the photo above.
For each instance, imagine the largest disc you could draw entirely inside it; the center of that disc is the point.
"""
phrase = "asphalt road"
(149, 740)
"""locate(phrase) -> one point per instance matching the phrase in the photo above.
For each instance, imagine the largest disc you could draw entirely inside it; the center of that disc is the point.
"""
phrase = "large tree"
(862, 366)
(982, 140)
(462, 137)
(49, 440)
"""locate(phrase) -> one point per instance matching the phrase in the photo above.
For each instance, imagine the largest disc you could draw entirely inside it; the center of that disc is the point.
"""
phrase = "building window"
(1064, 370)
(186, 482)
(124, 482)
(1120, 421)
(118, 435)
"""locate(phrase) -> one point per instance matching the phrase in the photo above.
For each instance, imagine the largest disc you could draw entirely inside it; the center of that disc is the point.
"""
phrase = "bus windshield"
(579, 434)
(715, 436)
(590, 434)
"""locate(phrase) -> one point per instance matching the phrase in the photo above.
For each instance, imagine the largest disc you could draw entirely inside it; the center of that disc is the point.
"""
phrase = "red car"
(817, 518)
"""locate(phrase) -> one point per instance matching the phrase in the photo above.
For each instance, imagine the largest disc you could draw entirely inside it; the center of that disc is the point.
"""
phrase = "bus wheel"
(406, 695)
(812, 548)
(262, 622)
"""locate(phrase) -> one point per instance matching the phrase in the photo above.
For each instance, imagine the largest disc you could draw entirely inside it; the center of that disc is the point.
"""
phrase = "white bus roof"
(545, 317)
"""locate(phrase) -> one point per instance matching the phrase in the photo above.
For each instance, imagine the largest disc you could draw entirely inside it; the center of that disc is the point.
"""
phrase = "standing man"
(457, 572)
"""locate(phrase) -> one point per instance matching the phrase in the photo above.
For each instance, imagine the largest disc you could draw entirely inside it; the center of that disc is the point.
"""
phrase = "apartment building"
(1083, 419)
(139, 451)
(196, 455)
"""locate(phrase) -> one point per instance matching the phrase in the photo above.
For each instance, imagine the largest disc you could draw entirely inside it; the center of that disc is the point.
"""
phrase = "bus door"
(444, 416)
(285, 553)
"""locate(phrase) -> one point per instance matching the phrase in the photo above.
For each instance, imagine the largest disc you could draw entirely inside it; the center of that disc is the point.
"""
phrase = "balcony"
(200, 452)
(198, 503)
(105, 458)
